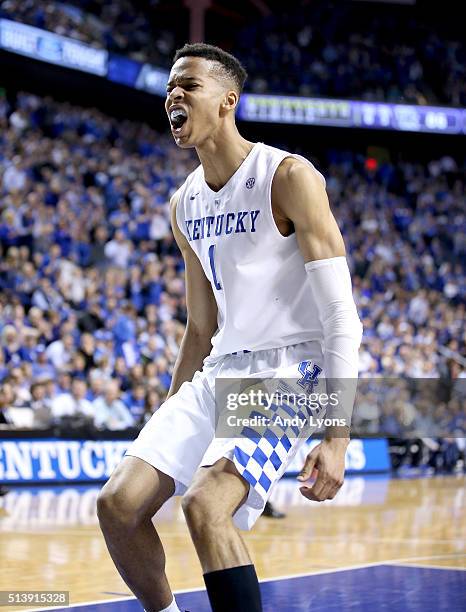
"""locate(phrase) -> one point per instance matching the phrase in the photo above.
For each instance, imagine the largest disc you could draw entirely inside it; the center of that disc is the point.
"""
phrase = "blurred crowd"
(405, 226)
(92, 303)
(92, 306)
(319, 48)
(354, 50)
(424, 419)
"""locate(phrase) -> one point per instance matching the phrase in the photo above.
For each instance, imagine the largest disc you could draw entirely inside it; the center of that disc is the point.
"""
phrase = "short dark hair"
(231, 66)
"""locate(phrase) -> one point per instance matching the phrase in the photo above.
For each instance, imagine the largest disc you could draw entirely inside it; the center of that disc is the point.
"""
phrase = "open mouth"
(178, 118)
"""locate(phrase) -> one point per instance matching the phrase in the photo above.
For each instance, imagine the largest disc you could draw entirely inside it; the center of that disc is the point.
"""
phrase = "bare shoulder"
(179, 237)
(289, 167)
(296, 181)
(293, 170)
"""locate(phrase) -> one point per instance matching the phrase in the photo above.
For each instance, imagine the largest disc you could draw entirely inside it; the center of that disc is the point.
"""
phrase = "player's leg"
(240, 483)
(126, 505)
(209, 504)
(168, 450)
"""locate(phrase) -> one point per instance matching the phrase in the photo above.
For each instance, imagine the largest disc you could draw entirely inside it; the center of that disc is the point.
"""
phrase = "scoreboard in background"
(352, 114)
(38, 461)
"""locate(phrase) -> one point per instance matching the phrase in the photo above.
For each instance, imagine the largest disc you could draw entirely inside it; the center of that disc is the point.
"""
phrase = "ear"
(230, 101)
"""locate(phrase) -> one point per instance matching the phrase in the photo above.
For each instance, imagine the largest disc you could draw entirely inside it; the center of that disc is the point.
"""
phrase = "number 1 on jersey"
(212, 266)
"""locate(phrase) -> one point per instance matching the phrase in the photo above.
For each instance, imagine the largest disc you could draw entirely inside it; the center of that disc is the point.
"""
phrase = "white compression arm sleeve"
(331, 289)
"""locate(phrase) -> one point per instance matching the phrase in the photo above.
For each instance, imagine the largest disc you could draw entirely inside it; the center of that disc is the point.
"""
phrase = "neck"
(222, 155)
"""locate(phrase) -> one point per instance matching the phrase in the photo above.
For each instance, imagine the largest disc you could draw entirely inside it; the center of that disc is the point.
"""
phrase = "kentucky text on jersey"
(221, 225)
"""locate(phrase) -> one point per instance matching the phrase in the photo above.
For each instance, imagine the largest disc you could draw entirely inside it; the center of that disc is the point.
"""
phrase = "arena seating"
(92, 305)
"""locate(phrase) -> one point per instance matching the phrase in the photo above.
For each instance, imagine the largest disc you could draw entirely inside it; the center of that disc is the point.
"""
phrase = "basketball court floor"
(382, 544)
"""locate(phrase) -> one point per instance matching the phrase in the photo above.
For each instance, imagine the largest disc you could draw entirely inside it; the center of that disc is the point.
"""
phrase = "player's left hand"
(325, 463)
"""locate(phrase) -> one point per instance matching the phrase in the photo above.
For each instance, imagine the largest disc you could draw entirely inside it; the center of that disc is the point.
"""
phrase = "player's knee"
(202, 512)
(193, 504)
(115, 510)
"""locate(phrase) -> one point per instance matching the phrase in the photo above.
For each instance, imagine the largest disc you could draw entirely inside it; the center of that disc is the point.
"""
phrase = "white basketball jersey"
(258, 277)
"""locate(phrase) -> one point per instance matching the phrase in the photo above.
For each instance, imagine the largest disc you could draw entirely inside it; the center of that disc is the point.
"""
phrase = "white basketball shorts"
(180, 437)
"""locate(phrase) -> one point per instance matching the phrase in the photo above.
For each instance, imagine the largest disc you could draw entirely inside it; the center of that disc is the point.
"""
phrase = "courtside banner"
(38, 461)
(49, 460)
(363, 456)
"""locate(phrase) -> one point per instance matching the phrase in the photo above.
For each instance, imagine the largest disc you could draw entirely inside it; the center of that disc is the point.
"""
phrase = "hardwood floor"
(50, 538)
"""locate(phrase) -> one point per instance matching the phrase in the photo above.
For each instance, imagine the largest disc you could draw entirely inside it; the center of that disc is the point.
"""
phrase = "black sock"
(234, 590)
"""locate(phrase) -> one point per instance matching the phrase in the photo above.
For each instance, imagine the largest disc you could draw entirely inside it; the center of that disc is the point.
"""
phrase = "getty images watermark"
(277, 407)
(303, 409)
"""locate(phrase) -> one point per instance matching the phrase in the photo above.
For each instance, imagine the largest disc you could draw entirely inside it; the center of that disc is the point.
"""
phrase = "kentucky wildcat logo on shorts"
(310, 374)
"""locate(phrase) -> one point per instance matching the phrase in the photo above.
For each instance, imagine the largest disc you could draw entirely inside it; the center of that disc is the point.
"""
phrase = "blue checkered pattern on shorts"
(260, 457)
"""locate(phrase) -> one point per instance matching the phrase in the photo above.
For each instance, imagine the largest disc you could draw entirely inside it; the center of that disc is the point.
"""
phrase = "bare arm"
(202, 311)
(299, 196)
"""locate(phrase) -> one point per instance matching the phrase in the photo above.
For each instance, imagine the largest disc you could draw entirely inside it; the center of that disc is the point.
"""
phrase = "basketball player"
(268, 290)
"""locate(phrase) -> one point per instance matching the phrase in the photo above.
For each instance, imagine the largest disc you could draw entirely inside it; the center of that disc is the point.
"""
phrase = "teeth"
(177, 112)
